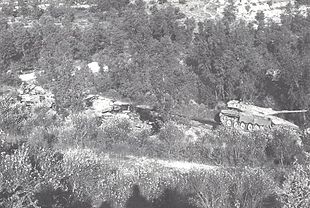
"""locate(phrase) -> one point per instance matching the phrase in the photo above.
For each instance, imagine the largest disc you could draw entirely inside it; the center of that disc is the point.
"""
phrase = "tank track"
(234, 122)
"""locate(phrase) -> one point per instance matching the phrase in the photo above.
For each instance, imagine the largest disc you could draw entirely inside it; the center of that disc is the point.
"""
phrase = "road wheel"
(223, 118)
(236, 125)
(229, 123)
(250, 127)
(243, 126)
(256, 127)
(307, 131)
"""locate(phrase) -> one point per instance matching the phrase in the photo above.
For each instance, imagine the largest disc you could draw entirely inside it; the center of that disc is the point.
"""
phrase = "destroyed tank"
(250, 117)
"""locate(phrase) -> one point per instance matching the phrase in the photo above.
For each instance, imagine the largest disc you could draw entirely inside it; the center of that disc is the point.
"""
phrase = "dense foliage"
(154, 56)
(157, 57)
(79, 163)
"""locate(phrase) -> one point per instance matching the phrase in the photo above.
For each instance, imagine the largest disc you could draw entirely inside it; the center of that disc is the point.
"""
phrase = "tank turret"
(250, 117)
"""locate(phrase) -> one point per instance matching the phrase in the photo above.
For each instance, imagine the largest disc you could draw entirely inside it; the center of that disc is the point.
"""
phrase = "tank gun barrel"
(287, 111)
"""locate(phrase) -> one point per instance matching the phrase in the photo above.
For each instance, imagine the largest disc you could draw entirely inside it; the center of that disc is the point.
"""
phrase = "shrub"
(284, 146)
(25, 176)
(171, 134)
(111, 4)
(111, 179)
(39, 117)
(9, 143)
(16, 179)
(41, 137)
(172, 142)
(231, 188)
(140, 137)
(116, 136)
(303, 2)
(9, 10)
(13, 117)
(231, 147)
(296, 188)
(56, 12)
(90, 176)
(82, 130)
(162, 1)
(247, 8)
(76, 130)
(117, 131)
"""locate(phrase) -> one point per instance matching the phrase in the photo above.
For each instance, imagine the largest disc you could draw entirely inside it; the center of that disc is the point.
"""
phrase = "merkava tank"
(250, 117)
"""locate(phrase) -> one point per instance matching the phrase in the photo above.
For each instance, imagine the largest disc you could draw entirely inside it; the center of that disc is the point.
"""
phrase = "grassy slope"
(105, 178)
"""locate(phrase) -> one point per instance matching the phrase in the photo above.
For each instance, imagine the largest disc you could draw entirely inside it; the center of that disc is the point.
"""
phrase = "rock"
(94, 67)
(29, 77)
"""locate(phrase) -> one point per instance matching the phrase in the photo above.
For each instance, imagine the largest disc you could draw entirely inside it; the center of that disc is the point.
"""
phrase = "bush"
(233, 148)
(111, 4)
(284, 146)
(82, 176)
(9, 10)
(13, 117)
(296, 188)
(57, 12)
(10, 143)
(41, 138)
(22, 177)
(111, 135)
(303, 2)
(172, 142)
(16, 179)
(171, 134)
(111, 179)
(117, 131)
(40, 117)
(91, 176)
(162, 1)
(231, 188)
(76, 130)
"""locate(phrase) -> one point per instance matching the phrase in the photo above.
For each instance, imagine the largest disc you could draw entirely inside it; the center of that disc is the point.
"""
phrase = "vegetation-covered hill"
(245, 9)
(55, 154)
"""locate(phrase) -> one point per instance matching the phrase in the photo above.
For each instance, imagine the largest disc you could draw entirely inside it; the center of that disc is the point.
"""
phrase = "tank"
(250, 117)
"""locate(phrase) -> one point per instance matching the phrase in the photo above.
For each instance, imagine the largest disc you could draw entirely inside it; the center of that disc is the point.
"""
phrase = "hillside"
(246, 9)
(125, 104)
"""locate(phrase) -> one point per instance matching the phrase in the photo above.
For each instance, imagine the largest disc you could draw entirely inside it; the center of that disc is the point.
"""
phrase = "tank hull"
(251, 121)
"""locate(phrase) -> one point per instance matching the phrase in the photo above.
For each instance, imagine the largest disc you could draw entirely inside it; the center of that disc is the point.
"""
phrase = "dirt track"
(173, 164)
(129, 162)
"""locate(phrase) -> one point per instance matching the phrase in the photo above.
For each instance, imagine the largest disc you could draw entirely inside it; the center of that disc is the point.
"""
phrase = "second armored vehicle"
(251, 117)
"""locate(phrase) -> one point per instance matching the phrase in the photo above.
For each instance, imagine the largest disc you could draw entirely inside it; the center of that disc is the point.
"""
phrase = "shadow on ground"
(49, 198)
(169, 199)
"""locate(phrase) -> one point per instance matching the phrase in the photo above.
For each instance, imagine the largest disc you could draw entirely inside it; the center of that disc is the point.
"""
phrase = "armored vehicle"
(250, 117)
(150, 115)
(103, 105)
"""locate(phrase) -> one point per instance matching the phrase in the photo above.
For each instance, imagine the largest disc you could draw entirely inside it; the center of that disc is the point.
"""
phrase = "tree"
(23, 9)
(110, 4)
(163, 22)
(36, 11)
(286, 49)
(227, 67)
(68, 84)
(28, 44)
(8, 51)
(302, 2)
(9, 9)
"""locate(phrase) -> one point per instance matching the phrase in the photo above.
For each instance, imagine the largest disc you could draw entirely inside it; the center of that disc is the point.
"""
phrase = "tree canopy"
(159, 56)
